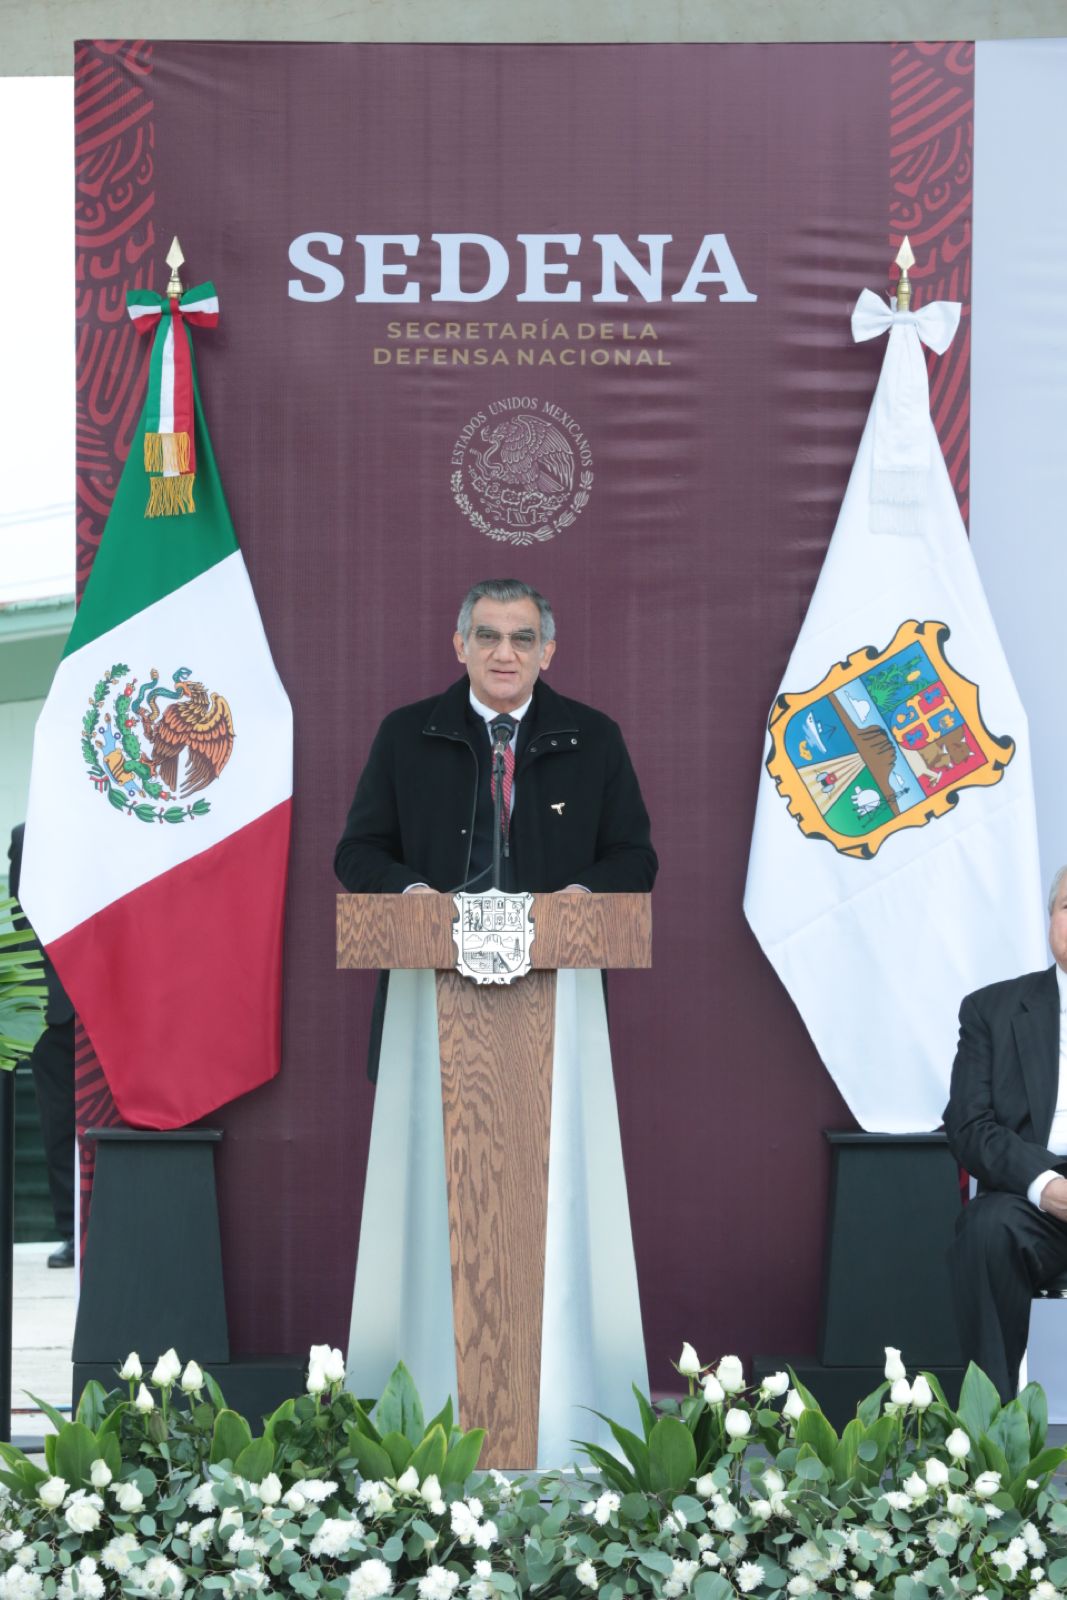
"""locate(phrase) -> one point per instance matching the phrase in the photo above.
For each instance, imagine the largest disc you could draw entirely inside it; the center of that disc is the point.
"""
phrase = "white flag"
(894, 863)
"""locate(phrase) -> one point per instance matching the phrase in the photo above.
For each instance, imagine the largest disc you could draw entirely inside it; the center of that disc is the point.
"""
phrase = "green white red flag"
(157, 833)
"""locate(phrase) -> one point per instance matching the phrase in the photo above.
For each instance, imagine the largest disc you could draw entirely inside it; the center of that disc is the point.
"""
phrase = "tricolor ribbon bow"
(169, 449)
(900, 415)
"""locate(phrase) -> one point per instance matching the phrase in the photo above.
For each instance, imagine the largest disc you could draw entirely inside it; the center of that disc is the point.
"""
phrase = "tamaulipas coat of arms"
(493, 933)
(886, 741)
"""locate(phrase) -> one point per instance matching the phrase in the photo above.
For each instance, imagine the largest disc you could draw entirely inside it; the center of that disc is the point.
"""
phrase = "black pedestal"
(894, 1200)
(153, 1260)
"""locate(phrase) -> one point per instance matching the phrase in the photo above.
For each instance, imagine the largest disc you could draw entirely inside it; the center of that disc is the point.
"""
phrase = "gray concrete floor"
(42, 1329)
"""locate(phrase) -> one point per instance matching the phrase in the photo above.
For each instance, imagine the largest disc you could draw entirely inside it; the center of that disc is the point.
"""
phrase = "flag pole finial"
(905, 258)
(174, 258)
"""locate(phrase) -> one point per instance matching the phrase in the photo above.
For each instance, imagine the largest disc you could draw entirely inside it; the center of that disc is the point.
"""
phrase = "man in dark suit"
(422, 817)
(1006, 1122)
(52, 1061)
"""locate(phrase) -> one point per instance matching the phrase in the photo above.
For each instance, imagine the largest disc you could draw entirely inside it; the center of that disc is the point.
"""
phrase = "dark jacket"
(58, 1008)
(1005, 1080)
(579, 816)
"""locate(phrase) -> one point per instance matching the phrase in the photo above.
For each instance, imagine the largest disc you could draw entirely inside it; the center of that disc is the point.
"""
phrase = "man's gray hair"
(505, 591)
(1055, 889)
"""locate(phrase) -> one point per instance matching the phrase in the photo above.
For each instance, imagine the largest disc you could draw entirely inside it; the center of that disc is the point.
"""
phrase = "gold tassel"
(170, 497)
(166, 452)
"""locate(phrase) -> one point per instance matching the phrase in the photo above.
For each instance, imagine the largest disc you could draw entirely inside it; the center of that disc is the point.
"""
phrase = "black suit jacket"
(579, 816)
(58, 1007)
(1005, 1080)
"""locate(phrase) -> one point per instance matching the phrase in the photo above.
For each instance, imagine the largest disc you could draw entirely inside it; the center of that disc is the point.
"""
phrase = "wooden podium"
(496, 1043)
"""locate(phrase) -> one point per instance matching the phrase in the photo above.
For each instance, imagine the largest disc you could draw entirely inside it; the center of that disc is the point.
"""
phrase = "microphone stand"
(501, 739)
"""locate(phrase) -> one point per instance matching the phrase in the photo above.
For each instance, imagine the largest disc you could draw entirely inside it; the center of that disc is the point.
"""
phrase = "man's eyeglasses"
(524, 640)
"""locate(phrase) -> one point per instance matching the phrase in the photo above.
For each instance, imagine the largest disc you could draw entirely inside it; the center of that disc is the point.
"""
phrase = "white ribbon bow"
(900, 414)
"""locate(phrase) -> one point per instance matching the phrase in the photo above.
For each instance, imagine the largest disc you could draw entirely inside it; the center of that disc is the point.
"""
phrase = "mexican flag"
(157, 834)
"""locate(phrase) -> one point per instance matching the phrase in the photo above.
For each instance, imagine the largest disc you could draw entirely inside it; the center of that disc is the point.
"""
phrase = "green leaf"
(110, 1451)
(56, 1418)
(1010, 1429)
(870, 1408)
(809, 1465)
(657, 1560)
(76, 1450)
(634, 1449)
(400, 1410)
(994, 1456)
(232, 1435)
(672, 1456)
(1032, 1399)
(429, 1458)
(444, 1418)
(691, 1508)
(91, 1404)
(711, 1586)
(284, 1413)
(399, 1451)
(371, 1459)
(215, 1394)
(814, 1430)
(979, 1401)
(255, 1460)
(648, 1416)
(1057, 1572)
(50, 1452)
(462, 1459)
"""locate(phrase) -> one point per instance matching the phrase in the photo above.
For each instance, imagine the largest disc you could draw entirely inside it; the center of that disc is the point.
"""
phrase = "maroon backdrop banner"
(713, 212)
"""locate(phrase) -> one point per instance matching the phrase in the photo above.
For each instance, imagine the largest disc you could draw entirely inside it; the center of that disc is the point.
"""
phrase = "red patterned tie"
(509, 775)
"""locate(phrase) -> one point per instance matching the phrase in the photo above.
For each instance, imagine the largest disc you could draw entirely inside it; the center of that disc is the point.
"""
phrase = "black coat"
(58, 1008)
(1005, 1081)
(578, 818)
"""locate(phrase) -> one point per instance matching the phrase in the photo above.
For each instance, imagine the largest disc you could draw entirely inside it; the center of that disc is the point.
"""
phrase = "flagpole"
(905, 258)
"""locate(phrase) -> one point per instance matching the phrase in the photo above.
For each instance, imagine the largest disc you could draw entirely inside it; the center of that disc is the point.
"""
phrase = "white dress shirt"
(1057, 1139)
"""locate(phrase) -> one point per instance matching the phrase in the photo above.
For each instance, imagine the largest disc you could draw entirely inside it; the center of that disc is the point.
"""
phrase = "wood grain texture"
(496, 1084)
(415, 930)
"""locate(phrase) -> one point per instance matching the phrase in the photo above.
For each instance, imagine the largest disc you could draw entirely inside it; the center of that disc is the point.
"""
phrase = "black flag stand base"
(894, 1200)
(152, 1276)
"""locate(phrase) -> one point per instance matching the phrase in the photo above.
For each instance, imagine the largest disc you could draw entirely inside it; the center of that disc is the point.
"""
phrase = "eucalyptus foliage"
(159, 1488)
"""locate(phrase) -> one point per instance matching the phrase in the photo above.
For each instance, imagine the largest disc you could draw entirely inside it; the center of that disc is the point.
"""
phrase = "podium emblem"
(493, 934)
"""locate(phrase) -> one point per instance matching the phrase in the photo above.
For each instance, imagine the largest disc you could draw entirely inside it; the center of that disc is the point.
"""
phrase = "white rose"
(915, 1487)
(794, 1406)
(898, 1500)
(957, 1505)
(774, 1385)
(192, 1379)
(130, 1371)
(689, 1362)
(894, 1367)
(714, 1393)
(53, 1492)
(167, 1369)
(723, 1517)
(921, 1393)
(83, 1516)
(731, 1374)
(334, 1367)
(900, 1393)
(100, 1474)
(738, 1423)
(958, 1445)
(987, 1483)
(936, 1473)
(270, 1490)
(705, 1486)
(129, 1497)
(143, 1401)
(408, 1482)
(317, 1382)
(294, 1500)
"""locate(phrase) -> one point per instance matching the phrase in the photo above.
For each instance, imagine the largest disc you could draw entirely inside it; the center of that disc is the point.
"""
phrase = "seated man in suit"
(1006, 1122)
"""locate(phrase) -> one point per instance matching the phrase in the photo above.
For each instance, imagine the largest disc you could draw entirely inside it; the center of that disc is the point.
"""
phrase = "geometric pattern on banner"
(931, 165)
(115, 245)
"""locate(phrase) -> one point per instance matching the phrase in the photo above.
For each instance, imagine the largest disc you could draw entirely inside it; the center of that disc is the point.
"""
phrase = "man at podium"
(572, 811)
(572, 820)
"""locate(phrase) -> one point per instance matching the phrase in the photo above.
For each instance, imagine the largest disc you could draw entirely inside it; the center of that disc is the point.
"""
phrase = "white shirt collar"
(491, 716)
(1061, 979)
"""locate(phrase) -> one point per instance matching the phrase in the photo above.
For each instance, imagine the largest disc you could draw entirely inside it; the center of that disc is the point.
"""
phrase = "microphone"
(501, 731)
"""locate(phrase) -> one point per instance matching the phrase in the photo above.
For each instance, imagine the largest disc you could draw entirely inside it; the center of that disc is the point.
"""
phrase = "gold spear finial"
(175, 258)
(905, 258)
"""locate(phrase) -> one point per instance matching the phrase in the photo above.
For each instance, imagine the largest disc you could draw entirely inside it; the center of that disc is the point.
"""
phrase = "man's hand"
(573, 888)
(420, 888)
(1054, 1198)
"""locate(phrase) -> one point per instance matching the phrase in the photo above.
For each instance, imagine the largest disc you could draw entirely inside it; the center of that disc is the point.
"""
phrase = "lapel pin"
(558, 807)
